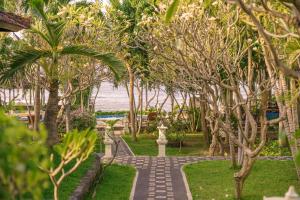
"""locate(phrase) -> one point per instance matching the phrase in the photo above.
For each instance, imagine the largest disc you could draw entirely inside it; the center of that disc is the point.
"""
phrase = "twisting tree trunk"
(51, 113)
(241, 176)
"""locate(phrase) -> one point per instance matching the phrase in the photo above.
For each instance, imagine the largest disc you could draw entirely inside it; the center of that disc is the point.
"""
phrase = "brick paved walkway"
(162, 177)
(158, 178)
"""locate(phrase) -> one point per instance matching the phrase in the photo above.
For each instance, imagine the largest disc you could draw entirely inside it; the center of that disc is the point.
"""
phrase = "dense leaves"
(22, 152)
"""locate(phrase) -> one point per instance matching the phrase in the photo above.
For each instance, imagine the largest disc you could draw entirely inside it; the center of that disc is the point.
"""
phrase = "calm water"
(109, 98)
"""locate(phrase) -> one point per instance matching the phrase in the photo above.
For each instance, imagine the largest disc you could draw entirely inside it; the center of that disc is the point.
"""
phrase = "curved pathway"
(161, 177)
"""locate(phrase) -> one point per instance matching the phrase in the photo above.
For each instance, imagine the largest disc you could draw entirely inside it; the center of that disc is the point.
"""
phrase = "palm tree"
(51, 33)
(134, 51)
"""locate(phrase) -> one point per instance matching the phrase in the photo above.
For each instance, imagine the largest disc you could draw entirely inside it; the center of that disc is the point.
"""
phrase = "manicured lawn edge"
(128, 147)
(116, 183)
(134, 184)
(186, 184)
(87, 182)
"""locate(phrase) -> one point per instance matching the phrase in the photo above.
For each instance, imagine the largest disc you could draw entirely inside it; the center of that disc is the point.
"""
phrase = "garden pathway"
(162, 177)
(158, 177)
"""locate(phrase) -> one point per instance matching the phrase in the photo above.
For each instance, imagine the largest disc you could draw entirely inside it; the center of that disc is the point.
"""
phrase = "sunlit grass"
(214, 180)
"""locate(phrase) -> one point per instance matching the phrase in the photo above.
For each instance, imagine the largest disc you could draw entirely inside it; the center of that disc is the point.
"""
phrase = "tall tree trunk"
(51, 113)
(204, 127)
(37, 101)
(131, 104)
(68, 115)
(146, 95)
(140, 108)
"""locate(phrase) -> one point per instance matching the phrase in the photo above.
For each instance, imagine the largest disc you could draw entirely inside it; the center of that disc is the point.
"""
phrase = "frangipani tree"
(203, 49)
(51, 31)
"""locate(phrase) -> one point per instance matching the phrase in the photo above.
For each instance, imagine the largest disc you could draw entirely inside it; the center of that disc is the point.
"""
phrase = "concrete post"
(108, 143)
(162, 141)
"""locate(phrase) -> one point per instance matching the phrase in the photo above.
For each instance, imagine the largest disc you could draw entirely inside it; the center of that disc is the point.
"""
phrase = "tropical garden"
(227, 124)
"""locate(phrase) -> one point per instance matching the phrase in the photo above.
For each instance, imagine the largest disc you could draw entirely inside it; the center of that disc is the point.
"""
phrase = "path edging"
(127, 146)
(134, 184)
(187, 188)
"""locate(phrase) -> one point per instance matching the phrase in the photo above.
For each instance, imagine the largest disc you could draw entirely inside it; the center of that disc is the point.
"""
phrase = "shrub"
(179, 125)
(82, 120)
(273, 149)
(22, 152)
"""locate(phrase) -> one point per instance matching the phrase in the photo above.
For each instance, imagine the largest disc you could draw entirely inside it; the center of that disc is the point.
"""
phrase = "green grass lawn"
(146, 145)
(116, 183)
(214, 180)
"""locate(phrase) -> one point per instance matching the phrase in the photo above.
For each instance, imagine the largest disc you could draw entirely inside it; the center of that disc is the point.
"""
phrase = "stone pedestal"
(108, 143)
(162, 141)
(290, 195)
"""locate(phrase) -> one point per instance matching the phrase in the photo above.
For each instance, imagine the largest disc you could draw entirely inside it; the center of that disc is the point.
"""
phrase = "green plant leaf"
(109, 59)
(20, 60)
(172, 10)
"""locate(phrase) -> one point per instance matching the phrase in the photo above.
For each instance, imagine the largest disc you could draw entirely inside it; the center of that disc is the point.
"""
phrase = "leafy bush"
(176, 139)
(82, 120)
(22, 152)
(152, 126)
(273, 149)
(75, 148)
(179, 125)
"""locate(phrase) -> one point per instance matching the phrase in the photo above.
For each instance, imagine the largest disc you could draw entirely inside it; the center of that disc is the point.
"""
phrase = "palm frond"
(109, 59)
(115, 3)
(19, 61)
(55, 32)
(42, 35)
(37, 7)
(55, 29)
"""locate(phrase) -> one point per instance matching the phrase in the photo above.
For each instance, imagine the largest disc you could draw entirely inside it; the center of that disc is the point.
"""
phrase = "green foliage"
(273, 149)
(111, 123)
(82, 120)
(1, 5)
(51, 32)
(176, 139)
(109, 59)
(22, 152)
(103, 113)
(178, 126)
(77, 145)
(172, 10)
